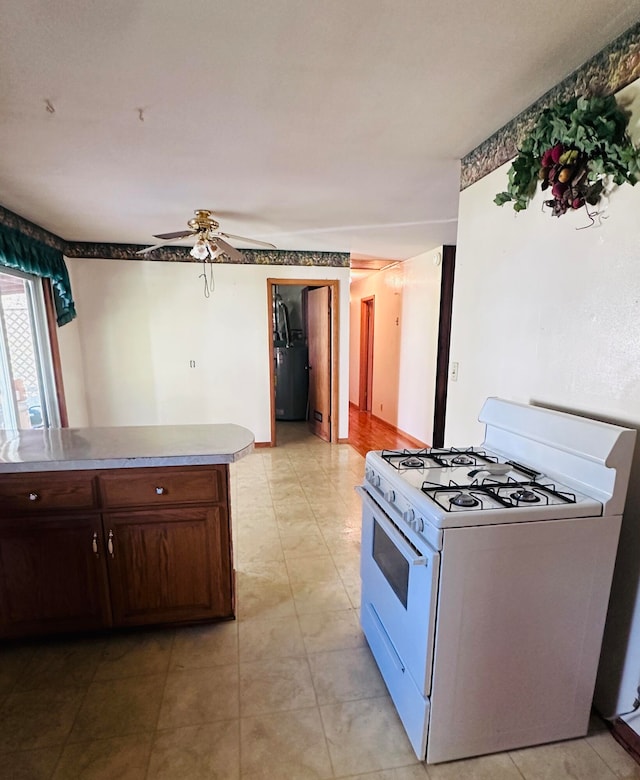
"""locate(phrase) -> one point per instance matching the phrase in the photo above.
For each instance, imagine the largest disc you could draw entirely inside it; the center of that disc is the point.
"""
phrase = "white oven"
(400, 579)
(486, 575)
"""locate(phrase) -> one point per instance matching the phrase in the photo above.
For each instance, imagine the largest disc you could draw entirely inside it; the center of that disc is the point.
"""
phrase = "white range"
(486, 574)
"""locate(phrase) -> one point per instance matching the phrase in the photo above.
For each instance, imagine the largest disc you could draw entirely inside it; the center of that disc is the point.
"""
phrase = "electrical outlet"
(454, 372)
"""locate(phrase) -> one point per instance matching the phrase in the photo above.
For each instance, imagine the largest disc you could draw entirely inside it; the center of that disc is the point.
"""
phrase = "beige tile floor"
(288, 691)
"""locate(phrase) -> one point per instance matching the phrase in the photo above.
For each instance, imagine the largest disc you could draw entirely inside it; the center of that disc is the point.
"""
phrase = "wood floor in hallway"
(367, 432)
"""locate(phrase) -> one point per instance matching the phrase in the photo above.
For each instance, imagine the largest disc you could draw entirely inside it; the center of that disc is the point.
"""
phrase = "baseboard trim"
(412, 439)
(258, 444)
(627, 737)
(343, 441)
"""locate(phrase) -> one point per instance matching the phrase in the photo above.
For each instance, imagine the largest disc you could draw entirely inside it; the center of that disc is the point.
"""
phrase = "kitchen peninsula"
(115, 527)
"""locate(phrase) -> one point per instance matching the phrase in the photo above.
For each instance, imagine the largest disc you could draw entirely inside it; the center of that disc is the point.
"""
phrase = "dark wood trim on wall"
(444, 343)
(627, 737)
(52, 327)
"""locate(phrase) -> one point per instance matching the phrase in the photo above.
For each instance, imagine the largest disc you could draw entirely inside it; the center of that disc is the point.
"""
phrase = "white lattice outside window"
(27, 387)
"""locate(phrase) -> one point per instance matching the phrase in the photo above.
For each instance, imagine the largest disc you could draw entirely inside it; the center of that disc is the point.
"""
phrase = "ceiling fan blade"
(233, 254)
(179, 234)
(248, 240)
(162, 243)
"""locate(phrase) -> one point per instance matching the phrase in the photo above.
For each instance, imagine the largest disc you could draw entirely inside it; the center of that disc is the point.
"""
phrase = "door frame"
(334, 285)
(367, 323)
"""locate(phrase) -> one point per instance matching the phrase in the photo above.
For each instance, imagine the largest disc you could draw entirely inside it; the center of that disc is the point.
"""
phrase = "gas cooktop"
(466, 486)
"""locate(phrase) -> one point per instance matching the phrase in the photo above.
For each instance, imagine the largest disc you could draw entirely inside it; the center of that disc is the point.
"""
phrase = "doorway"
(366, 353)
(319, 307)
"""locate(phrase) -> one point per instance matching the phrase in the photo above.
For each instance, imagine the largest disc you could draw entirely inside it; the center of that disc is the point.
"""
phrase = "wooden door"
(52, 575)
(169, 565)
(366, 353)
(319, 341)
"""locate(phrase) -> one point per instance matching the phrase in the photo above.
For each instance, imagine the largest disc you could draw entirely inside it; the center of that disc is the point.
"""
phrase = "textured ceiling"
(315, 125)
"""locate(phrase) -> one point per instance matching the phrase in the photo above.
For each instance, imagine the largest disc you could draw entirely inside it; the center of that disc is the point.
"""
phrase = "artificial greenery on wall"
(576, 149)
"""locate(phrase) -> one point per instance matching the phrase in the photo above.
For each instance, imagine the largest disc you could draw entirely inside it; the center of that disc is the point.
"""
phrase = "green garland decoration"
(574, 150)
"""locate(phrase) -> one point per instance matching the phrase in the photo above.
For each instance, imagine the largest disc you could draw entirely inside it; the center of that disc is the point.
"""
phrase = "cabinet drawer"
(49, 491)
(162, 486)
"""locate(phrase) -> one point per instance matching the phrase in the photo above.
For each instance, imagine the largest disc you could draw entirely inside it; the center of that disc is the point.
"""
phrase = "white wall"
(548, 313)
(419, 346)
(545, 311)
(407, 301)
(73, 372)
(139, 325)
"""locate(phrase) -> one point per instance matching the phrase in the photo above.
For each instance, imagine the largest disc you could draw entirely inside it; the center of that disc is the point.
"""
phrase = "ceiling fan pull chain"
(209, 285)
(203, 275)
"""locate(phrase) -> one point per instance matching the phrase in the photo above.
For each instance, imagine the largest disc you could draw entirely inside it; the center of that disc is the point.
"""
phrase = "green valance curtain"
(30, 256)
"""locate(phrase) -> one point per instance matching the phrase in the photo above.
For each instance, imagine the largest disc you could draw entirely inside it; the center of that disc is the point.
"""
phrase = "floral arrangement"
(575, 150)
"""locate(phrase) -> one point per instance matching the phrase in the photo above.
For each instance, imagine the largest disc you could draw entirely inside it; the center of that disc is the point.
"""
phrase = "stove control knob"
(409, 517)
(390, 496)
(419, 525)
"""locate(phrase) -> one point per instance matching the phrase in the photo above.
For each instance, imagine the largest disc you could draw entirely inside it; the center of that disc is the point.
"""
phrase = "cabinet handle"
(110, 543)
(94, 544)
(33, 496)
(160, 491)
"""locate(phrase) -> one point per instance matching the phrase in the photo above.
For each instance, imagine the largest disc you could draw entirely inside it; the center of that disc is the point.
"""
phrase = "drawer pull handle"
(160, 491)
(110, 543)
(94, 544)
(33, 496)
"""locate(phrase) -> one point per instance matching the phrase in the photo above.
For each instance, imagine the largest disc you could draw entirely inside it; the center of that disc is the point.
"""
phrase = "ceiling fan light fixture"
(200, 249)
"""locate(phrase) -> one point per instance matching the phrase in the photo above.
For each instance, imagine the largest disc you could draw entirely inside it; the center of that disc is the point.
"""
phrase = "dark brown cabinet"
(50, 580)
(91, 549)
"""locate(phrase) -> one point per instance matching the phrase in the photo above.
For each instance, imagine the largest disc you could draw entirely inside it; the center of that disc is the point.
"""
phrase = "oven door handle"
(409, 552)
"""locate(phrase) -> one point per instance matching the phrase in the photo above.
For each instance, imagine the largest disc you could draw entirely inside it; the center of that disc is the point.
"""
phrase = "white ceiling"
(313, 124)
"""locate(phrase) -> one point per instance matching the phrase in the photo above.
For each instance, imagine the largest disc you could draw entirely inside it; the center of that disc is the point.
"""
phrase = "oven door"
(399, 589)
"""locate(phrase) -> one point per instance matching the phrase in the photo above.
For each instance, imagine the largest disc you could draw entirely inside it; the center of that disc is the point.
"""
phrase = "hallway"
(367, 432)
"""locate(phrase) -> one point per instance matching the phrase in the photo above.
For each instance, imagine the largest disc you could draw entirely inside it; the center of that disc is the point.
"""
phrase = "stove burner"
(463, 460)
(525, 495)
(412, 463)
(464, 499)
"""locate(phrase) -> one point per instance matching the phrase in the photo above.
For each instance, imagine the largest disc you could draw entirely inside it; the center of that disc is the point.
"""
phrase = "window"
(28, 397)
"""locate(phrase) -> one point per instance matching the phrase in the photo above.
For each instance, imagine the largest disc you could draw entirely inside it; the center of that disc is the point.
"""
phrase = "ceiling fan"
(210, 242)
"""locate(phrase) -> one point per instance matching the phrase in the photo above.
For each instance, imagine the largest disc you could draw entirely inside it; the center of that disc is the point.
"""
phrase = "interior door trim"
(367, 320)
(334, 284)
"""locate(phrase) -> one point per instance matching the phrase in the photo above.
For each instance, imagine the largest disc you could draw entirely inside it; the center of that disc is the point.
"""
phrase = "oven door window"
(391, 563)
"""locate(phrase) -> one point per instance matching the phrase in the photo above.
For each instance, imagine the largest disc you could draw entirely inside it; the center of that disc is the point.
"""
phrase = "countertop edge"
(89, 462)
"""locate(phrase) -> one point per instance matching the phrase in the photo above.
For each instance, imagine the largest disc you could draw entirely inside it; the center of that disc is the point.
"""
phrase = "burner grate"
(491, 494)
(428, 458)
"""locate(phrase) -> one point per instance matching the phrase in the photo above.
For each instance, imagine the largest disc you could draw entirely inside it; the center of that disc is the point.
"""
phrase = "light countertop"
(70, 449)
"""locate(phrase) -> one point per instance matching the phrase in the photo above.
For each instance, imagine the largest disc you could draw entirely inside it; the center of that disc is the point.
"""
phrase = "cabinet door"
(52, 575)
(169, 565)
